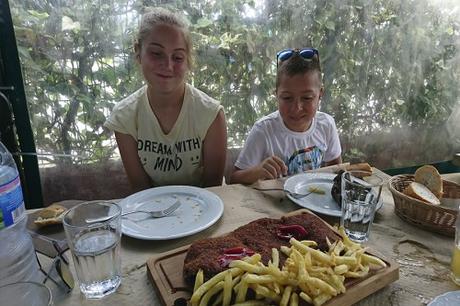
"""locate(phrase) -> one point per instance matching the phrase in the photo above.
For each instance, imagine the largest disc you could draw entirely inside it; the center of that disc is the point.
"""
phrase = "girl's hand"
(272, 167)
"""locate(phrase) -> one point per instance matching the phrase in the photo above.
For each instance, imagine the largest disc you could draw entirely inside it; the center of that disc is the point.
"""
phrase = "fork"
(295, 195)
(153, 214)
(156, 213)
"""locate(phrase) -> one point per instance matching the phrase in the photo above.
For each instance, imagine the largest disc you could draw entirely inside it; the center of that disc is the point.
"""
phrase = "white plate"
(320, 203)
(199, 210)
(447, 299)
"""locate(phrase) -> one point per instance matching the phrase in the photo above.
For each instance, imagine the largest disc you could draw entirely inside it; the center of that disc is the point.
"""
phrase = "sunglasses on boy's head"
(306, 53)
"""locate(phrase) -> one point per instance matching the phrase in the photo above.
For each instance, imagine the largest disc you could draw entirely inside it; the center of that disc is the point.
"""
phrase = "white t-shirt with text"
(300, 151)
(176, 157)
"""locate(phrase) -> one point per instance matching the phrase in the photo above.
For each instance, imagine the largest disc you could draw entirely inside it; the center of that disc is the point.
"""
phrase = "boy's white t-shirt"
(300, 151)
(174, 158)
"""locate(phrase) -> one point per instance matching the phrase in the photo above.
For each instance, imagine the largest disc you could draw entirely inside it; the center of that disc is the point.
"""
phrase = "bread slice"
(430, 177)
(361, 166)
(361, 170)
(421, 192)
(50, 215)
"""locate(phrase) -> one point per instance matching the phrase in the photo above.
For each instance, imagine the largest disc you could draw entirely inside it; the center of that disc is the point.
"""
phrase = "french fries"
(307, 274)
(227, 295)
(199, 279)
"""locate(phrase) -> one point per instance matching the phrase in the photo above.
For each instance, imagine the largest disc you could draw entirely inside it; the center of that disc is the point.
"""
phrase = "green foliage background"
(391, 69)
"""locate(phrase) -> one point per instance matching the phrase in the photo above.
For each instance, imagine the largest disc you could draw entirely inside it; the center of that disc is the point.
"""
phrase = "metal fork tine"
(295, 195)
(172, 208)
(300, 195)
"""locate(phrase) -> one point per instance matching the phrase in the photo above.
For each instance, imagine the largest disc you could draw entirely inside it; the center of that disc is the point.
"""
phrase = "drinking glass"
(455, 263)
(95, 246)
(26, 294)
(361, 192)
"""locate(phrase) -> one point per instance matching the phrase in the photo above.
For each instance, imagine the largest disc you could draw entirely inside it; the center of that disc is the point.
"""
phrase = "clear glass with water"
(455, 262)
(95, 246)
(361, 193)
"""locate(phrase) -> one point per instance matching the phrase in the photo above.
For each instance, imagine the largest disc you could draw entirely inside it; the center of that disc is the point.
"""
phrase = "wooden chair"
(232, 155)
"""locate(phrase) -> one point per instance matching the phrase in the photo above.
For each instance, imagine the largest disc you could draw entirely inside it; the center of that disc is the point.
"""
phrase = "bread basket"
(434, 218)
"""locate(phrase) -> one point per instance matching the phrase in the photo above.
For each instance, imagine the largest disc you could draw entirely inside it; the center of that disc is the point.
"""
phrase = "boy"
(297, 137)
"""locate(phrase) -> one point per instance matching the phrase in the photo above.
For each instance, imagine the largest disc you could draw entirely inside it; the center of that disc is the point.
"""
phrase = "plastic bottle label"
(12, 206)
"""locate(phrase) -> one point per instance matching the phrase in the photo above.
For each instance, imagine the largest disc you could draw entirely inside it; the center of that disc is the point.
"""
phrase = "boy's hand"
(272, 167)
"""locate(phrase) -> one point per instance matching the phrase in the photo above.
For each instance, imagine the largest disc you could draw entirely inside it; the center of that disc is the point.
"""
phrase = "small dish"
(320, 203)
(446, 299)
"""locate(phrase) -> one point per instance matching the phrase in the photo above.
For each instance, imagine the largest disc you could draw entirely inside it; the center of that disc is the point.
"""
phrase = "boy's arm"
(244, 176)
(246, 169)
(270, 168)
(335, 161)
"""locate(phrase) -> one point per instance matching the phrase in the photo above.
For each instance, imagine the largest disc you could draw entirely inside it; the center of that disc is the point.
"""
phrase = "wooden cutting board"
(165, 273)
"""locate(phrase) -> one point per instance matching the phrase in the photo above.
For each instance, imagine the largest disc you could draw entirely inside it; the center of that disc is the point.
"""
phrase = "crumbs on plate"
(316, 189)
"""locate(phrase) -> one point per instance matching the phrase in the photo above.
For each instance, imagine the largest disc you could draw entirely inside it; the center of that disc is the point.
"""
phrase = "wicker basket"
(434, 218)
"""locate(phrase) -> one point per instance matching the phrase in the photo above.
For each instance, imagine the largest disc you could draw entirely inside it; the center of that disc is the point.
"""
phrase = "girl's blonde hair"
(156, 16)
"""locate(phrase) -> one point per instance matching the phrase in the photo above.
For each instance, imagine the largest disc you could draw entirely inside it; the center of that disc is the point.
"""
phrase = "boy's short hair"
(295, 65)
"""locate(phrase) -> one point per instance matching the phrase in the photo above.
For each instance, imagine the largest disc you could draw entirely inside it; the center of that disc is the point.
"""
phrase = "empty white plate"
(199, 210)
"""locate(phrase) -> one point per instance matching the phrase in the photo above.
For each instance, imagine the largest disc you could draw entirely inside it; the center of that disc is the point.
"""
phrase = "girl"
(168, 132)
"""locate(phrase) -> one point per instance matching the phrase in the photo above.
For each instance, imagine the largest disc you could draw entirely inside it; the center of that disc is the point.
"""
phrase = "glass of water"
(455, 263)
(95, 246)
(361, 191)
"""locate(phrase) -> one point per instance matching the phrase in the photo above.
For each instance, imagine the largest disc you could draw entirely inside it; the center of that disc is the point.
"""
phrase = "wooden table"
(424, 257)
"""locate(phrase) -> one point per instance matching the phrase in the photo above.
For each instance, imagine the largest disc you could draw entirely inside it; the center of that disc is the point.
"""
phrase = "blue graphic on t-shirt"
(305, 159)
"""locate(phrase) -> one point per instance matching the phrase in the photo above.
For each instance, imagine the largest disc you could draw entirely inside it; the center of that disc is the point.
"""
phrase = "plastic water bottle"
(17, 255)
